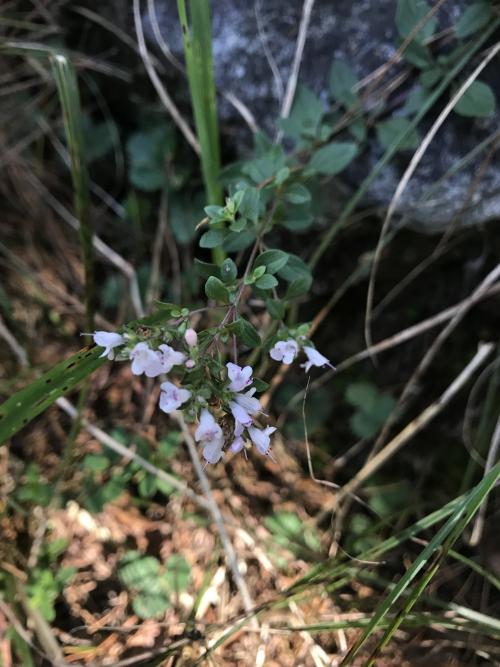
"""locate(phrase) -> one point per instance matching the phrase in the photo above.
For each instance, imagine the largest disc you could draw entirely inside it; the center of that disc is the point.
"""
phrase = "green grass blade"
(29, 402)
(197, 40)
(67, 86)
(442, 541)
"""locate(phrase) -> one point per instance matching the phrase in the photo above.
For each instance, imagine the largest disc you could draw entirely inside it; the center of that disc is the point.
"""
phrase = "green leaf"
(266, 282)
(305, 116)
(96, 462)
(146, 605)
(245, 332)
(431, 76)
(206, 269)
(215, 289)
(273, 260)
(299, 286)
(147, 153)
(342, 81)
(234, 242)
(363, 425)
(184, 209)
(389, 131)
(333, 158)
(294, 268)
(216, 212)
(297, 194)
(363, 395)
(411, 12)
(478, 101)
(228, 271)
(26, 404)
(238, 225)
(358, 129)
(275, 308)
(260, 385)
(473, 19)
(178, 573)
(264, 168)
(250, 204)
(419, 55)
(213, 238)
(140, 572)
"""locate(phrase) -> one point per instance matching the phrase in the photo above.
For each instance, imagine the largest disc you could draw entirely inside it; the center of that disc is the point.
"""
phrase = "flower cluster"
(207, 392)
(286, 351)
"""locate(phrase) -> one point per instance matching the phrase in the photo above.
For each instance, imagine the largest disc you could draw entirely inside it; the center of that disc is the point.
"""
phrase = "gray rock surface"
(363, 34)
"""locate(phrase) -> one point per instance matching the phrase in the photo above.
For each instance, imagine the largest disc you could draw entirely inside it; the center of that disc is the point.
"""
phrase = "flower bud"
(191, 337)
(190, 363)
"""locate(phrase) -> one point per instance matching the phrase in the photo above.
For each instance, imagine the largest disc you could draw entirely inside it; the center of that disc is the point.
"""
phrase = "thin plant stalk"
(67, 86)
(197, 39)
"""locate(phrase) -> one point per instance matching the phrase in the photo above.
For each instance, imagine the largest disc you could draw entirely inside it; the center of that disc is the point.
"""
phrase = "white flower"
(108, 340)
(243, 406)
(145, 360)
(190, 363)
(237, 444)
(314, 358)
(260, 437)
(208, 428)
(212, 452)
(240, 377)
(172, 397)
(284, 351)
(191, 337)
(210, 434)
(170, 358)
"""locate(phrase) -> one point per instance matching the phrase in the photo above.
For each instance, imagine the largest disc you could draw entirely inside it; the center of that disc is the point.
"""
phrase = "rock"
(362, 34)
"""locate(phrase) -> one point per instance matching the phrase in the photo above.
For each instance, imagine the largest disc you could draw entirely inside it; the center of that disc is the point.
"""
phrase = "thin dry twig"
(102, 248)
(162, 92)
(392, 341)
(291, 86)
(152, 292)
(11, 341)
(127, 453)
(231, 557)
(417, 424)
(410, 170)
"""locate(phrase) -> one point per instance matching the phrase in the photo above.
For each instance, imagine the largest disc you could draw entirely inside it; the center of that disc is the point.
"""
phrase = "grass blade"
(443, 541)
(197, 40)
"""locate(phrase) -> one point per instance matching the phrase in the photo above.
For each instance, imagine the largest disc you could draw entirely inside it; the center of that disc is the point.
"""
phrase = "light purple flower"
(108, 340)
(284, 351)
(172, 397)
(170, 358)
(208, 428)
(240, 377)
(145, 360)
(260, 437)
(314, 358)
(243, 406)
(210, 434)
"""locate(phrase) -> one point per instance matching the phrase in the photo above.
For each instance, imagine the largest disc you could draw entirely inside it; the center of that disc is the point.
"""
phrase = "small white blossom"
(260, 437)
(190, 363)
(108, 340)
(240, 377)
(212, 451)
(243, 406)
(210, 434)
(284, 351)
(191, 337)
(240, 414)
(170, 358)
(172, 397)
(208, 428)
(314, 358)
(145, 360)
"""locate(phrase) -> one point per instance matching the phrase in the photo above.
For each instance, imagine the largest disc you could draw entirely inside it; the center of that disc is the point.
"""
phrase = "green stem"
(200, 71)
